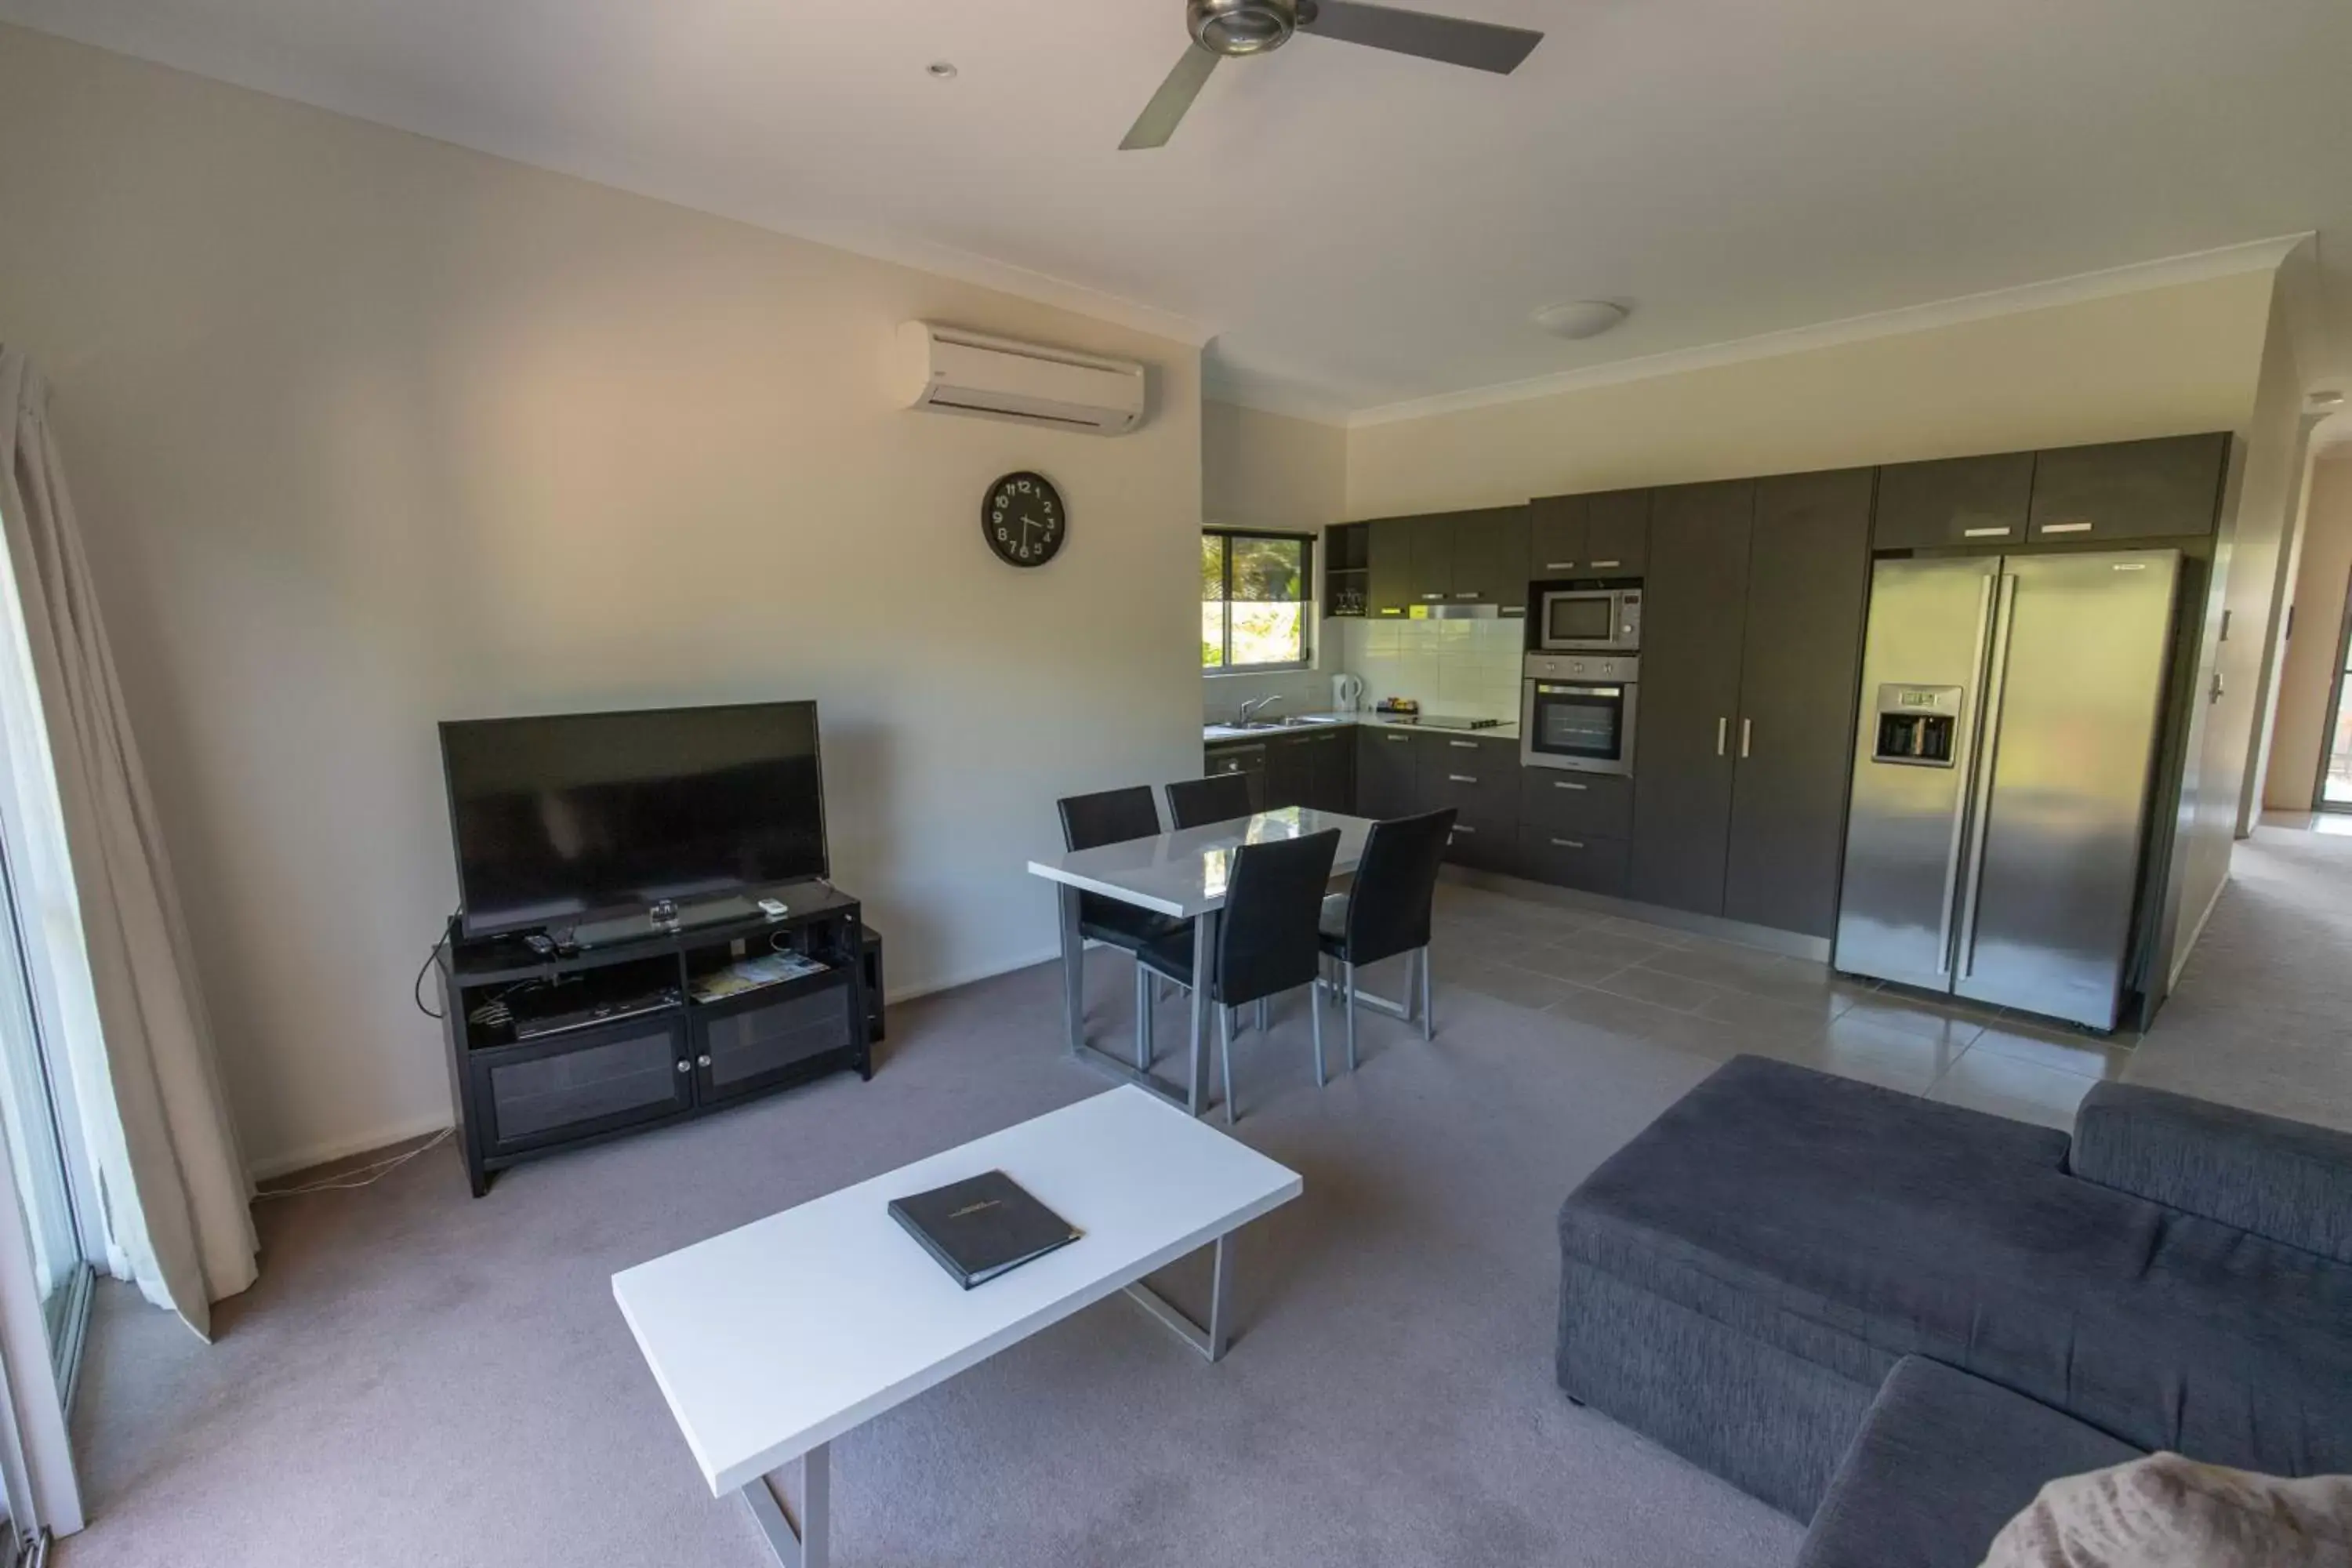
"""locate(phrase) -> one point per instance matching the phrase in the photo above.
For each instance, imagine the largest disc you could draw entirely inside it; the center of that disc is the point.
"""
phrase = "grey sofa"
(1895, 1318)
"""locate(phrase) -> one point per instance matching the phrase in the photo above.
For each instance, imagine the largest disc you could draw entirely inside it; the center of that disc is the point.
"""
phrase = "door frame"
(2319, 801)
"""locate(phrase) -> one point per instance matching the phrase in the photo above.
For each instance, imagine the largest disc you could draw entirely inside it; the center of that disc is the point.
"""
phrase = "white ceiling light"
(1580, 318)
(943, 69)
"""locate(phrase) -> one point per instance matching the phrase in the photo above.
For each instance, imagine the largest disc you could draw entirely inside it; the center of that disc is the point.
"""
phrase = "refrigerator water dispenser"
(1917, 725)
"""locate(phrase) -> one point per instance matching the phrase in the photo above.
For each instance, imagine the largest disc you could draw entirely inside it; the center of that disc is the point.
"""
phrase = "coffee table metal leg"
(809, 1543)
(1211, 1341)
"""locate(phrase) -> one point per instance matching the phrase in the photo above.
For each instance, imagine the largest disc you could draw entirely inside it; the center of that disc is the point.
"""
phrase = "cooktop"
(1444, 721)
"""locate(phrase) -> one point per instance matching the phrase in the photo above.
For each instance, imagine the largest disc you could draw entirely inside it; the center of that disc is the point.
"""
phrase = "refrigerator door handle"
(1964, 761)
(1987, 754)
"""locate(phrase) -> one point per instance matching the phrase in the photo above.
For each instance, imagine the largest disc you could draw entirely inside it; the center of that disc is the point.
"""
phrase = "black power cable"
(416, 989)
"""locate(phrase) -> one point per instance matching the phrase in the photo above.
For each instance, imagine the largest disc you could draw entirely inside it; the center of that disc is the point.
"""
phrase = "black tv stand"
(656, 1054)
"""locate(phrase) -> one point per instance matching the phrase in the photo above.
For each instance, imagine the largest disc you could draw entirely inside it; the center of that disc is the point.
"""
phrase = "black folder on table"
(979, 1227)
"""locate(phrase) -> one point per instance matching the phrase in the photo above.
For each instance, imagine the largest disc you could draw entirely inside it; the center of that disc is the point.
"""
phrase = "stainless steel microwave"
(1591, 620)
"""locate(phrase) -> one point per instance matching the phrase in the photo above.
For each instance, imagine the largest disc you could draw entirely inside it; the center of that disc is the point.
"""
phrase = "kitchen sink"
(1279, 724)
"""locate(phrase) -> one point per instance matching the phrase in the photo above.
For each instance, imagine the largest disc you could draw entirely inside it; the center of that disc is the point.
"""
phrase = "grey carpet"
(423, 1377)
(2264, 1016)
(419, 1376)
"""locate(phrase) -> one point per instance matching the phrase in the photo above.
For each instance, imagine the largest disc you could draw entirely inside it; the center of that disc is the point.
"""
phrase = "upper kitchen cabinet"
(1957, 501)
(1604, 535)
(1808, 590)
(1490, 555)
(1694, 618)
(1389, 567)
(2129, 489)
(1457, 557)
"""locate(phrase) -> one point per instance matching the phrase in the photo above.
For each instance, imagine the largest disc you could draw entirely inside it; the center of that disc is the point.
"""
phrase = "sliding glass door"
(33, 1124)
(2335, 791)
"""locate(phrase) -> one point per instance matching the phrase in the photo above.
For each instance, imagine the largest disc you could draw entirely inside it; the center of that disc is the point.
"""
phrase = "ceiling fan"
(1237, 27)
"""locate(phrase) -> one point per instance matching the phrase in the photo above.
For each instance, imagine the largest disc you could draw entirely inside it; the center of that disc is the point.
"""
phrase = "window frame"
(1306, 601)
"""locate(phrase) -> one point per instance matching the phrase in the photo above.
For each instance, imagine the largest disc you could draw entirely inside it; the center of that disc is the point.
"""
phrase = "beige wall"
(2264, 484)
(2161, 362)
(369, 431)
(2307, 675)
(1269, 470)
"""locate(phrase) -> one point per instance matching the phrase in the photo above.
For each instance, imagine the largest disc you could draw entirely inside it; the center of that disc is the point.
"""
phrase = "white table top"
(783, 1335)
(1184, 873)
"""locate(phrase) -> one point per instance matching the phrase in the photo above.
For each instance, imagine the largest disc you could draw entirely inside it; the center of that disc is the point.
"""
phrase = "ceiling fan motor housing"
(1245, 26)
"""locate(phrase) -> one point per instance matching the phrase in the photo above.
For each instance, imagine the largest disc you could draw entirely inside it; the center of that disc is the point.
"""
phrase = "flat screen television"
(560, 819)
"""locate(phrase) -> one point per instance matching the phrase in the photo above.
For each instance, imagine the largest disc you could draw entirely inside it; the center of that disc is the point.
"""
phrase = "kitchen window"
(1253, 600)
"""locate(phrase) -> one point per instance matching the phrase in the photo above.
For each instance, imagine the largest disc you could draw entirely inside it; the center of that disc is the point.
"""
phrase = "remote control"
(775, 908)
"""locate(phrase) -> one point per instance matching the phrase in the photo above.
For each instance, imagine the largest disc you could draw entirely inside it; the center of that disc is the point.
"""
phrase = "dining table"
(1181, 874)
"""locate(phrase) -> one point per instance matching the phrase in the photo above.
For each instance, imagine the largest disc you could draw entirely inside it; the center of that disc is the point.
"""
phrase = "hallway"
(2263, 1015)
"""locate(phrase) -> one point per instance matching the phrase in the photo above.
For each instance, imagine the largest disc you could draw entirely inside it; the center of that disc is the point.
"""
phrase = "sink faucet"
(1252, 708)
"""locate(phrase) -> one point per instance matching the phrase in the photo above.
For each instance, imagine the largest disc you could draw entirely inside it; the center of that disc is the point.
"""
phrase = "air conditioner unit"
(957, 371)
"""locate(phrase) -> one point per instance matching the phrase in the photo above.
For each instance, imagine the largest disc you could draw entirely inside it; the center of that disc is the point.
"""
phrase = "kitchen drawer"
(1484, 847)
(1479, 779)
(1599, 805)
(1592, 865)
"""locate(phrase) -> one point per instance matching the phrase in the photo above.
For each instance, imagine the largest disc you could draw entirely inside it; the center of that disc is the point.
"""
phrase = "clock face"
(1023, 521)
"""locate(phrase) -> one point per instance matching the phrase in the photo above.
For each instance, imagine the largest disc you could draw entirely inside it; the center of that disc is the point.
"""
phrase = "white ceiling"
(1353, 229)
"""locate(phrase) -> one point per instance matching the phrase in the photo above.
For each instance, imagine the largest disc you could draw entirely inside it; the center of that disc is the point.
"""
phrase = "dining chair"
(1119, 817)
(1267, 942)
(1220, 797)
(1387, 910)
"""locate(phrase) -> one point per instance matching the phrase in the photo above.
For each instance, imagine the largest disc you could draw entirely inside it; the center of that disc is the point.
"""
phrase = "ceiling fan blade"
(1481, 45)
(1158, 122)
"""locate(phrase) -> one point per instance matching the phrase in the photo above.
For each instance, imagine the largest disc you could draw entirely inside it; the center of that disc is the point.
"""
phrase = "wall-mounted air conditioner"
(956, 372)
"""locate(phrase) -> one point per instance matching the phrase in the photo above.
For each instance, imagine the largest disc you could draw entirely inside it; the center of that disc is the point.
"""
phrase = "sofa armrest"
(2287, 1181)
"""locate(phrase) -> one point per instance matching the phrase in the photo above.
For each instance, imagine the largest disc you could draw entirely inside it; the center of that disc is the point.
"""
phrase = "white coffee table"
(772, 1340)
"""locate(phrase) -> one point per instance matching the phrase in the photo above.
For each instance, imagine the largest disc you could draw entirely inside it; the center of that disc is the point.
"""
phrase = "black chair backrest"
(1112, 817)
(1220, 797)
(1274, 896)
(1396, 881)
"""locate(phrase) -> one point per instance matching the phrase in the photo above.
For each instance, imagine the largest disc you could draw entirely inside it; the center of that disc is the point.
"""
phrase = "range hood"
(1465, 611)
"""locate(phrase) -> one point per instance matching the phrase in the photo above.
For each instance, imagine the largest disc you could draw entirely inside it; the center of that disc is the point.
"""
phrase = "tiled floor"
(1718, 998)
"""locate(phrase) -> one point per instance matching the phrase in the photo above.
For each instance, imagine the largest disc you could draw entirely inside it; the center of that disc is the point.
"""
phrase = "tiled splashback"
(1470, 668)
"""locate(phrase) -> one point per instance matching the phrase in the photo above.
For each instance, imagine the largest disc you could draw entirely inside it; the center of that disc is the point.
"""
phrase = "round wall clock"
(1024, 519)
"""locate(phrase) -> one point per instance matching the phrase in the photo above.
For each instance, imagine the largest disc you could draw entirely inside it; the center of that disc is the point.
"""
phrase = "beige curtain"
(176, 1192)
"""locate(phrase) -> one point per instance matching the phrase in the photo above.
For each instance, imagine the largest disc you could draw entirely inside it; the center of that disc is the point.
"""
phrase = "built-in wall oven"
(1591, 620)
(1577, 712)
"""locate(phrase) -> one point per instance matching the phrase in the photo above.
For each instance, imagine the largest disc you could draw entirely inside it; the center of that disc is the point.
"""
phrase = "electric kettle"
(1347, 693)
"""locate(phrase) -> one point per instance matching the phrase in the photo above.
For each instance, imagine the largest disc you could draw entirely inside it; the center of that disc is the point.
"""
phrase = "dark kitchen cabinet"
(1594, 805)
(1248, 759)
(1386, 772)
(1604, 535)
(1313, 768)
(1479, 778)
(1695, 609)
(1956, 500)
(1490, 555)
(1808, 583)
(1431, 554)
(2129, 489)
(1565, 859)
(1389, 567)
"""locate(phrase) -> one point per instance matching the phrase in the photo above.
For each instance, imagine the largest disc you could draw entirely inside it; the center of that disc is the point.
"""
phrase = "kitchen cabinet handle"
(1459, 778)
(2066, 528)
(702, 1061)
(1568, 783)
(1469, 595)
(1559, 565)
(684, 1067)
(1432, 596)
(1744, 724)
(1398, 740)
(1722, 733)
(1570, 842)
(1390, 610)
(1984, 533)
(1462, 827)
(1604, 565)
(1466, 745)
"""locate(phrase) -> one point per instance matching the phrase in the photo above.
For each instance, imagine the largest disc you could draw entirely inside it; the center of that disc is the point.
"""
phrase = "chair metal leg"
(1350, 969)
(1314, 1012)
(1146, 994)
(1263, 1014)
(1428, 1019)
(1225, 1054)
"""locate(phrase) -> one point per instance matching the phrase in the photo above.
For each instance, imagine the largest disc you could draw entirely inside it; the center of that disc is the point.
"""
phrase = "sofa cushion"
(1852, 1225)
(1942, 1462)
(2286, 1180)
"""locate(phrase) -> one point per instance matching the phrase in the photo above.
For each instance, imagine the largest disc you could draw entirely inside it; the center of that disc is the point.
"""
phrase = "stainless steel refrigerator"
(2002, 769)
